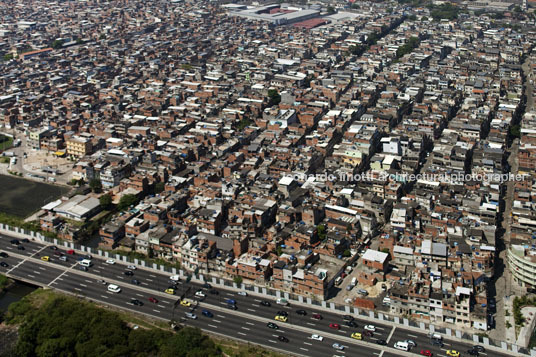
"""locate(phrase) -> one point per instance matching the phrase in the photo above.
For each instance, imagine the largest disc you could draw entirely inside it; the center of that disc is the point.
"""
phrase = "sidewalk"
(509, 332)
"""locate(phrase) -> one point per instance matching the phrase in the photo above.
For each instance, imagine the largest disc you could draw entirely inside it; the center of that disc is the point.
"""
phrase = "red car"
(152, 299)
(427, 353)
(70, 251)
(335, 326)
(343, 275)
(317, 316)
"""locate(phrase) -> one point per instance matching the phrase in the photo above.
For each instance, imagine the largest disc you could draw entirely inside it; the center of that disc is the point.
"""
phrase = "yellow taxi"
(46, 258)
(281, 318)
(453, 353)
(357, 336)
(170, 291)
(185, 303)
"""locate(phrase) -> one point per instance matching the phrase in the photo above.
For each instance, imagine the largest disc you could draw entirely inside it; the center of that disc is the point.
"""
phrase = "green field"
(20, 197)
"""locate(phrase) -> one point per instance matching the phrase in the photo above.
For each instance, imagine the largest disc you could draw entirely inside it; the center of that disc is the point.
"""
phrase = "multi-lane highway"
(247, 323)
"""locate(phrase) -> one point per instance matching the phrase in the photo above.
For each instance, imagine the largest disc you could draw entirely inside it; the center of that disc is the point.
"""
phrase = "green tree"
(244, 122)
(8, 57)
(321, 231)
(126, 201)
(346, 253)
(237, 280)
(274, 96)
(515, 131)
(105, 201)
(57, 44)
(95, 185)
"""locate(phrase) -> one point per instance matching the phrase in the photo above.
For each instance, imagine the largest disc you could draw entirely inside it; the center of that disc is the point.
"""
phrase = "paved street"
(251, 327)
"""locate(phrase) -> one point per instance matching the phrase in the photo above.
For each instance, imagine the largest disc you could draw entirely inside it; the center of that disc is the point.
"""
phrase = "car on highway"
(281, 318)
(381, 342)
(153, 300)
(191, 315)
(110, 261)
(131, 267)
(25, 240)
(232, 307)
(135, 281)
(479, 348)
(53, 247)
(45, 258)
(14, 241)
(357, 336)
(282, 338)
(207, 286)
(63, 258)
(58, 253)
(88, 256)
(207, 313)
(70, 251)
(370, 328)
(4, 264)
(411, 343)
(101, 281)
(128, 273)
(282, 301)
(3, 255)
(242, 293)
(265, 303)
(114, 288)
(230, 302)
(272, 325)
(175, 278)
(453, 353)
(337, 346)
(426, 353)
(136, 302)
(317, 338)
(473, 352)
(200, 294)
(351, 323)
(436, 342)
(301, 312)
(335, 326)
(20, 247)
(83, 268)
(170, 291)
(347, 318)
(317, 316)
(214, 292)
(185, 303)
(283, 313)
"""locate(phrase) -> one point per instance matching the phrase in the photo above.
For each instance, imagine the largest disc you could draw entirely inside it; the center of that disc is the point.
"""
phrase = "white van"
(85, 263)
(386, 301)
(114, 288)
(401, 345)
(282, 301)
(338, 281)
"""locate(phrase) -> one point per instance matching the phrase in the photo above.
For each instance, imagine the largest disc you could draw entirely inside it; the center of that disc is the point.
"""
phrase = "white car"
(338, 346)
(242, 293)
(317, 338)
(191, 316)
(175, 278)
(110, 261)
(200, 294)
(370, 328)
(131, 267)
(114, 288)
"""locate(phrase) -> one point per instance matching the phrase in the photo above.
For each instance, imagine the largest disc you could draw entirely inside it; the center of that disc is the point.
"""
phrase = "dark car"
(3, 255)
(282, 338)
(135, 281)
(282, 313)
(58, 253)
(351, 323)
(347, 318)
(272, 325)
(301, 312)
(128, 273)
(232, 307)
(25, 240)
(136, 302)
(381, 342)
(265, 303)
(317, 316)
(88, 256)
(207, 286)
(83, 268)
(214, 292)
(4, 264)
(473, 352)
(207, 313)
(14, 242)
(53, 247)
(20, 247)
(153, 300)
(437, 342)
(479, 348)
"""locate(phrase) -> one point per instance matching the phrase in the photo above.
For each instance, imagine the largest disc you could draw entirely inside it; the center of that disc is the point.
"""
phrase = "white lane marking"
(307, 343)
(213, 326)
(251, 310)
(257, 300)
(391, 334)
(166, 302)
(218, 321)
(304, 349)
(104, 296)
(272, 341)
(77, 289)
(88, 281)
(41, 268)
(84, 285)
(310, 323)
(31, 276)
(240, 333)
(221, 316)
(140, 295)
(156, 311)
(37, 272)
(149, 279)
(245, 328)
(96, 271)
(250, 323)
(144, 283)
(413, 335)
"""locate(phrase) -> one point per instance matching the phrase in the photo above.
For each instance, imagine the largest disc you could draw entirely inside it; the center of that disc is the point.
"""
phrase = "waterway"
(14, 293)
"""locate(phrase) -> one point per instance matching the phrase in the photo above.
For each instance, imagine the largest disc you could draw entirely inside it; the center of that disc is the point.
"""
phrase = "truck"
(8, 153)
(16, 142)
(13, 161)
